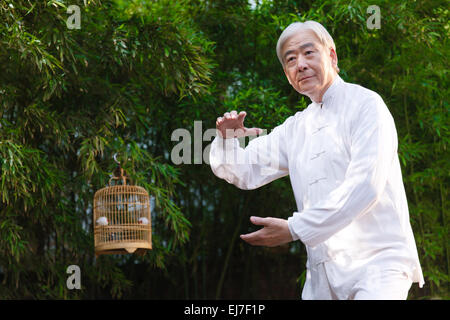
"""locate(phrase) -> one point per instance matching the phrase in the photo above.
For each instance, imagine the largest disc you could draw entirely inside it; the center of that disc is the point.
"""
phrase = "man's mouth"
(304, 78)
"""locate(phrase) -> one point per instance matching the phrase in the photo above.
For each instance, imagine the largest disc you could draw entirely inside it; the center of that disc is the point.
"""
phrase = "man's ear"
(334, 58)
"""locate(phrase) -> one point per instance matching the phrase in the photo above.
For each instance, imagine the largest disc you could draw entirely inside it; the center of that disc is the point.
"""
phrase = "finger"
(253, 238)
(233, 114)
(219, 119)
(252, 131)
(227, 115)
(242, 115)
(259, 221)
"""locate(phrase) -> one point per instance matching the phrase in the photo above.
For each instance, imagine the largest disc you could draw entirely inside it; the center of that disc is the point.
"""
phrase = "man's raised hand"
(231, 125)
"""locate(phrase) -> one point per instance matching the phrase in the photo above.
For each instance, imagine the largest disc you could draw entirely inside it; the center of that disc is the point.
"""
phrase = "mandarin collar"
(331, 91)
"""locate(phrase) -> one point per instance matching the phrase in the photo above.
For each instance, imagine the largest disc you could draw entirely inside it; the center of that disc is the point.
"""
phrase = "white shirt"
(341, 157)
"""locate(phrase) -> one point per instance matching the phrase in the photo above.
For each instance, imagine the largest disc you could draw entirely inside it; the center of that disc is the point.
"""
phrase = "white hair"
(320, 31)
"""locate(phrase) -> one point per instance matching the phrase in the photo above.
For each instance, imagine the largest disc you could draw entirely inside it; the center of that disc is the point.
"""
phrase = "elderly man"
(341, 156)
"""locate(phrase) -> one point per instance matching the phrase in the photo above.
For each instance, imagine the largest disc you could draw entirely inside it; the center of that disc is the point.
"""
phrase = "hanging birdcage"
(122, 222)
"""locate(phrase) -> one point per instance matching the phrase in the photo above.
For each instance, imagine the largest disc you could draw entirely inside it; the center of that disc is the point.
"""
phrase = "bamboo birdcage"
(122, 222)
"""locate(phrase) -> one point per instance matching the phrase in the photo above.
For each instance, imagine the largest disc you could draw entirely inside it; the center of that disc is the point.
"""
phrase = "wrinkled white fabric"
(371, 282)
(341, 157)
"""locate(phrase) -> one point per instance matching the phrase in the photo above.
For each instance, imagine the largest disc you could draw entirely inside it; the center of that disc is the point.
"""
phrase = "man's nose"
(301, 64)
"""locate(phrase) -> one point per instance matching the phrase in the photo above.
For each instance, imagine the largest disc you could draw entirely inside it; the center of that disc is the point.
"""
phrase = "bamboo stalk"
(444, 222)
(416, 198)
(203, 244)
(230, 249)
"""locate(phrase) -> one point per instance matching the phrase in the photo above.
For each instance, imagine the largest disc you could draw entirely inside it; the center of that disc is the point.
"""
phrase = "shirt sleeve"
(262, 161)
(373, 149)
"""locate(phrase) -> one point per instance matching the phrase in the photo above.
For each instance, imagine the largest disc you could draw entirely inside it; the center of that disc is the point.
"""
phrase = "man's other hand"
(275, 232)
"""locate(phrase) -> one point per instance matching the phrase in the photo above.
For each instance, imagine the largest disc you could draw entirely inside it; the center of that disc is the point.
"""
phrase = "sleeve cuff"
(222, 153)
(291, 223)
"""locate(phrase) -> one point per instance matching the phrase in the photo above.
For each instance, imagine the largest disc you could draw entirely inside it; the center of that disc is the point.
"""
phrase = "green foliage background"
(137, 70)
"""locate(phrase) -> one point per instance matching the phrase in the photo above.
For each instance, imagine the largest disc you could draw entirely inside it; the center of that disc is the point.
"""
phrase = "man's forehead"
(300, 38)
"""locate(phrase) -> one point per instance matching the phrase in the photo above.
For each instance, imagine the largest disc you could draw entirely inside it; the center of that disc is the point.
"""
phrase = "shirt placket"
(318, 150)
(317, 175)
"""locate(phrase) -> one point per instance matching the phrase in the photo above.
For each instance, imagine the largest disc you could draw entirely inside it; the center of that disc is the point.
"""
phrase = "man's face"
(308, 65)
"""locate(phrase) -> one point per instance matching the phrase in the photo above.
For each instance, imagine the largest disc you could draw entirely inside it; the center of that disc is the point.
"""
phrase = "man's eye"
(308, 52)
(290, 59)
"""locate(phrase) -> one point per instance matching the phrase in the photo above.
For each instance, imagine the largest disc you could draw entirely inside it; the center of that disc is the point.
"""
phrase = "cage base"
(139, 248)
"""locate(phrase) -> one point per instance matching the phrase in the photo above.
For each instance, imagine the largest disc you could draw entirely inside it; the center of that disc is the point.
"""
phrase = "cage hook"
(115, 158)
